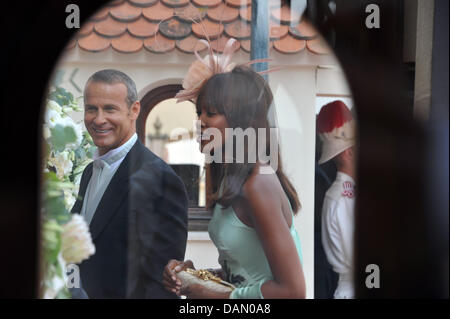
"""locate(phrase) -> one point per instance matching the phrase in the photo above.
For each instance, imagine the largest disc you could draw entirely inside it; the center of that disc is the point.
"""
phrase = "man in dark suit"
(134, 203)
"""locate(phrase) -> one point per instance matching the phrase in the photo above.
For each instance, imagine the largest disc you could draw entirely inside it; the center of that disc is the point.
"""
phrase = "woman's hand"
(170, 279)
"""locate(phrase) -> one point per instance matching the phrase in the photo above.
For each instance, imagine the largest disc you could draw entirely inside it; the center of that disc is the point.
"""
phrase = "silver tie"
(95, 186)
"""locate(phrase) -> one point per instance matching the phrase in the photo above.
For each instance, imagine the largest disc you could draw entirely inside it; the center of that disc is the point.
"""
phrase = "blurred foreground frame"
(402, 204)
(402, 176)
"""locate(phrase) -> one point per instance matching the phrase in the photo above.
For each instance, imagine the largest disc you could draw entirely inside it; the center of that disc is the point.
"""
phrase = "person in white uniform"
(336, 128)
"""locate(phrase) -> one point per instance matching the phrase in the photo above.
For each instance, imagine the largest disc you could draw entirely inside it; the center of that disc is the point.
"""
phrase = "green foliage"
(54, 199)
(61, 179)
(61, 136)
(61, 96)
(51, 240)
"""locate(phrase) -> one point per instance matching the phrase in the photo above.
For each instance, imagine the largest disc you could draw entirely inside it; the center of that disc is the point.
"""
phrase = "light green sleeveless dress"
(241, 254)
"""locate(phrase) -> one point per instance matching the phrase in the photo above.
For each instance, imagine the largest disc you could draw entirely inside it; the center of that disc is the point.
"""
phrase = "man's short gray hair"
(111, 76)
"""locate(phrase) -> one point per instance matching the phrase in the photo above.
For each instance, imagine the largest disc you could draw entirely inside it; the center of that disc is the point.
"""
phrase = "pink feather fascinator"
(204, 68)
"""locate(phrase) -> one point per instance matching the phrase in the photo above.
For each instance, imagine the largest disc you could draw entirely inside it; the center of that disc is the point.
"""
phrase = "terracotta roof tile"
(125, 12)
(171, 21)
(175, 29)
(189, 13)
(100, 15)
(223, 13)
(157, 12)
(246, 13)
(187, 45)
(110, 27)
(159, 44)
(238, 3)
(289, 45)
(175, 3)
(212, 29)
(127, 43)
(238, 29)
(143, 3)
(219, 44)
(142, 28)
(207, 3)
(277, 31)
(284, 16)
(86, 29)
(245, 45)
(318, 46)
(303, 31)
(94, 42)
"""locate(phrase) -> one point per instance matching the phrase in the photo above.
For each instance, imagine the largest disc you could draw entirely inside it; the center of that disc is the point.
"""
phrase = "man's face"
(107, 116)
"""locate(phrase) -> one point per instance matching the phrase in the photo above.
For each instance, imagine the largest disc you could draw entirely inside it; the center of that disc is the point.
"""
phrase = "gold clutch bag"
(205, 278)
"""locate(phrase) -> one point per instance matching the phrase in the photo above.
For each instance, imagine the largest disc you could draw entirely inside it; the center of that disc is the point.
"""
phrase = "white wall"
(294, 90)
(295, 105)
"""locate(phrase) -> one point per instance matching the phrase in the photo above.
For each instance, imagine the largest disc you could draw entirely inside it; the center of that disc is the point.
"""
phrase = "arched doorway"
(198, 215)
(149, 101)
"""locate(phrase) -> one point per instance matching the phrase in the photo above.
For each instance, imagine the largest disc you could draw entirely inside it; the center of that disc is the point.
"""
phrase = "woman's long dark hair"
(245, 99)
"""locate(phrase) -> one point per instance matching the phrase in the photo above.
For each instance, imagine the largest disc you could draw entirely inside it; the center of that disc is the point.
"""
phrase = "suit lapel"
(76, 209)
(116, 192)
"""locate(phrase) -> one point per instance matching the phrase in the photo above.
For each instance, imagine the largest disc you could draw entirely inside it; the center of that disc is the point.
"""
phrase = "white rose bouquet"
(65, 238)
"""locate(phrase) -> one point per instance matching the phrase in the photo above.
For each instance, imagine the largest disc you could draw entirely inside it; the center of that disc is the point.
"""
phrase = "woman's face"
(213, 126)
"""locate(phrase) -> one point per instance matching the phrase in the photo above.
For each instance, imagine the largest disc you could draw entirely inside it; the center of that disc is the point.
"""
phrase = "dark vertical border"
(33, 38)
(437, 162)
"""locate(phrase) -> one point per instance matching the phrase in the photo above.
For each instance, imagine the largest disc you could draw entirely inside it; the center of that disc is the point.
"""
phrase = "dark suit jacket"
(139, 225)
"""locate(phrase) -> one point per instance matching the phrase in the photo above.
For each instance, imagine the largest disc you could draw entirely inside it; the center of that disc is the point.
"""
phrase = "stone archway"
(149, 101)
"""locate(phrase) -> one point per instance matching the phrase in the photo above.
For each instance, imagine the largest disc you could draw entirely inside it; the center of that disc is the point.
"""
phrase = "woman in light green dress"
(252, 200)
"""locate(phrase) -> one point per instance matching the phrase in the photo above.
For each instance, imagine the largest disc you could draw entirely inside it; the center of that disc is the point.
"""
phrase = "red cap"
(333, 115)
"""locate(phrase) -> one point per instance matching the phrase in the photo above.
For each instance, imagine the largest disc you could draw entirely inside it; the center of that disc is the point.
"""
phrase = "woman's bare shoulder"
(261, 187)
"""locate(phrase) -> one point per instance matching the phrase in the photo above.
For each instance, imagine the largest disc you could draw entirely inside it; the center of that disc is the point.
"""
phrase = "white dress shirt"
(337, 232)
(103, 170)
